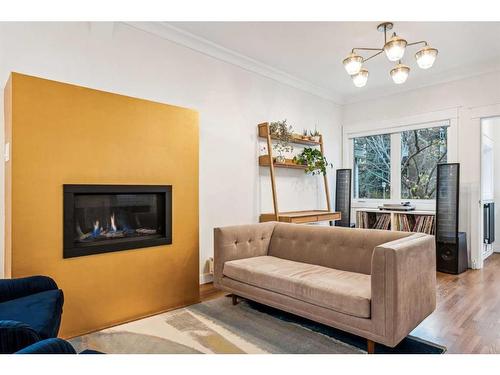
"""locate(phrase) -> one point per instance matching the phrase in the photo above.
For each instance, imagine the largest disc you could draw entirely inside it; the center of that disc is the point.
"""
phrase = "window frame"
(394, 128)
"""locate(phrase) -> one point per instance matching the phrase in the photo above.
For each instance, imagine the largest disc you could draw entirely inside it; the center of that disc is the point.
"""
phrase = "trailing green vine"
(314, 160)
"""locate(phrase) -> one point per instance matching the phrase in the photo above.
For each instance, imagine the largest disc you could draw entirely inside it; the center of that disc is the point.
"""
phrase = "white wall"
(231, 102)
(463, 95)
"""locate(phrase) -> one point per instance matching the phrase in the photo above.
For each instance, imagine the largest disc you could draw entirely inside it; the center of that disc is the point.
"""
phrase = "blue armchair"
(53, 346)
(30, 311)
(49, 346)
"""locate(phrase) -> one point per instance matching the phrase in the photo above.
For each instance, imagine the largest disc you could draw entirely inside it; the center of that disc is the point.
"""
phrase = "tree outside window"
(372, 167)
(421, 151)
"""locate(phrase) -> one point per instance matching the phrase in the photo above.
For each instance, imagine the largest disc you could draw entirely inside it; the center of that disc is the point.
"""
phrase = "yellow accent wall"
(67, 134)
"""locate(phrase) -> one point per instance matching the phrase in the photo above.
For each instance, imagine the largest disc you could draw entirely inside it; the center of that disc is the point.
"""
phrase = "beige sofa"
(373, 283)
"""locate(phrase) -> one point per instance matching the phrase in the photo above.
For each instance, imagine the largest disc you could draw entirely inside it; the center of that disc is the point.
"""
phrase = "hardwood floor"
(467, 317)
(208, 292)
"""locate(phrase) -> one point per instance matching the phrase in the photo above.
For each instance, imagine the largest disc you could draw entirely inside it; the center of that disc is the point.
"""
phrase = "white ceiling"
(312, 52)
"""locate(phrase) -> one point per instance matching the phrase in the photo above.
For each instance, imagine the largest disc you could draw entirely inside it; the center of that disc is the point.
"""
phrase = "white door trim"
(476, 115)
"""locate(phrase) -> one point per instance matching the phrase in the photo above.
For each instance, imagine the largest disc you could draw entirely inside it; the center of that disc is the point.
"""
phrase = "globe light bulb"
(426, 57)
(361, 78)
(353, 63)
(400, 73)
(395, 48)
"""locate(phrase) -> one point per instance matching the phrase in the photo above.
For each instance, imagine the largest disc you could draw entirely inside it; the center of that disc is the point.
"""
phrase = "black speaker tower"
(451, 245)
(343, 197)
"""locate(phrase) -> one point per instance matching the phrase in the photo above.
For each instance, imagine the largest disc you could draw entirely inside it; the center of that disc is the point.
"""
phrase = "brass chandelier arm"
(419, 42)
(372, 56)
(366, 49)
(379, 51)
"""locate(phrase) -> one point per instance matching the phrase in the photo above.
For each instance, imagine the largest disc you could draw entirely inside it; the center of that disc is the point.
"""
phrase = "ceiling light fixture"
(426, 57)
(394, 49)
(400, 73)
(353, 63)
(360, 78)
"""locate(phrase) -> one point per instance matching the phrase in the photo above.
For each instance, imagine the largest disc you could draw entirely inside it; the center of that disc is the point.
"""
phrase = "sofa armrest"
(15, 336)
(16, 288)
(239, 242)
(403, 285)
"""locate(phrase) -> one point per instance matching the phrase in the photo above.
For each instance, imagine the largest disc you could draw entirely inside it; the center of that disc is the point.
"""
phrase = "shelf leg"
(325, 177)
(271, 171)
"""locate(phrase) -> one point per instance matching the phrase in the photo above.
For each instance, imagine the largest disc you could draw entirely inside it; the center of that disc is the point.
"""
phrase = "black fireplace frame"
(69, 192)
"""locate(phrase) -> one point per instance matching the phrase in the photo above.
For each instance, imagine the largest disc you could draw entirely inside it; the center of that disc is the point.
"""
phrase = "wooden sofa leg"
(370, 346)
(235, 299)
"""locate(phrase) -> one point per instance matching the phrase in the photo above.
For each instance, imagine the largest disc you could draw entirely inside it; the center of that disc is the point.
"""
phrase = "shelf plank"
(299, 217)
(264, 162)
(297, 138)
(412, 212)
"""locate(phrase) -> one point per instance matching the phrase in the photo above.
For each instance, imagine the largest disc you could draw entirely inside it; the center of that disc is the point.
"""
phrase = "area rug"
(217, 326)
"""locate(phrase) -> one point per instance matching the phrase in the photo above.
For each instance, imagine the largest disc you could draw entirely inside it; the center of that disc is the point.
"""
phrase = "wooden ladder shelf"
(297, 217)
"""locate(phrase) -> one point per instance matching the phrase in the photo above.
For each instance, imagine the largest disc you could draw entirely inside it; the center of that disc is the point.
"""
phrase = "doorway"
(490, 186)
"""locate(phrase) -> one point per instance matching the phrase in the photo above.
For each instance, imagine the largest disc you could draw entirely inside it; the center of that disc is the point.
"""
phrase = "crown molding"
(194, 42)
(179, 36)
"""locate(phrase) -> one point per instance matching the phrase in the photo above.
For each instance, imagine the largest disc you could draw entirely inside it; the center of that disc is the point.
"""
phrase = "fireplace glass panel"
(104, 218)
(118, 217)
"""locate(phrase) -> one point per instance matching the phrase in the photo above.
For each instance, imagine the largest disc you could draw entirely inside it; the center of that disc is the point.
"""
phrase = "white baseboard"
(206, 278)
(487, 252)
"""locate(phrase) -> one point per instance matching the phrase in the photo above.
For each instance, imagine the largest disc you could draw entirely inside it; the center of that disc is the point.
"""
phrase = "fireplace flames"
(113, 225)
(111, 231)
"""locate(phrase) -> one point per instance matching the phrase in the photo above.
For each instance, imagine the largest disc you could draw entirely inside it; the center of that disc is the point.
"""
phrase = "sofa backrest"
(347, 249)
(239, 242)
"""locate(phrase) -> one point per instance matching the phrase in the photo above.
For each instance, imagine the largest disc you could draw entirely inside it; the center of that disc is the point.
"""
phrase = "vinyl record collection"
(415, 223)
(373, 220)
(402, 222)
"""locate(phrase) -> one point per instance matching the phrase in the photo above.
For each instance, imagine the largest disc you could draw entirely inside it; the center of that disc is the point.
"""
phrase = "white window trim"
(394, 127)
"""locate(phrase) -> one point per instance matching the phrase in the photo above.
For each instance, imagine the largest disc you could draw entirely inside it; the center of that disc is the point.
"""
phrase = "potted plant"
(280, 150)
(314, 160)
(283, 133)
(315, 135)
(305, 134)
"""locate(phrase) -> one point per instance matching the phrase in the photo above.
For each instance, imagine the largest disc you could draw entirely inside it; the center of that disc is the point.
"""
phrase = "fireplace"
(104, 218)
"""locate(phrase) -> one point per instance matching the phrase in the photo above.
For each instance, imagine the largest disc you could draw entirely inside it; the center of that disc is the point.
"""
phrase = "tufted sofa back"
(239, 242)
(346, 249)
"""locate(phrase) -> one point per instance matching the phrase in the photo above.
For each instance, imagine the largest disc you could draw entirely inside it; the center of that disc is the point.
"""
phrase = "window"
(421, 151)
(372, 167)
(401, 165)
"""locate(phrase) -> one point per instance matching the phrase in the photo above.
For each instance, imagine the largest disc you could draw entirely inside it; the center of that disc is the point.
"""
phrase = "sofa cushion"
(342, 291)
(41, 311)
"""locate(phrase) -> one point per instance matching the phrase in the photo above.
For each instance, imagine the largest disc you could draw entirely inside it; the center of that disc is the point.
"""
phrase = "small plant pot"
(315, 138)
(280, 159)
